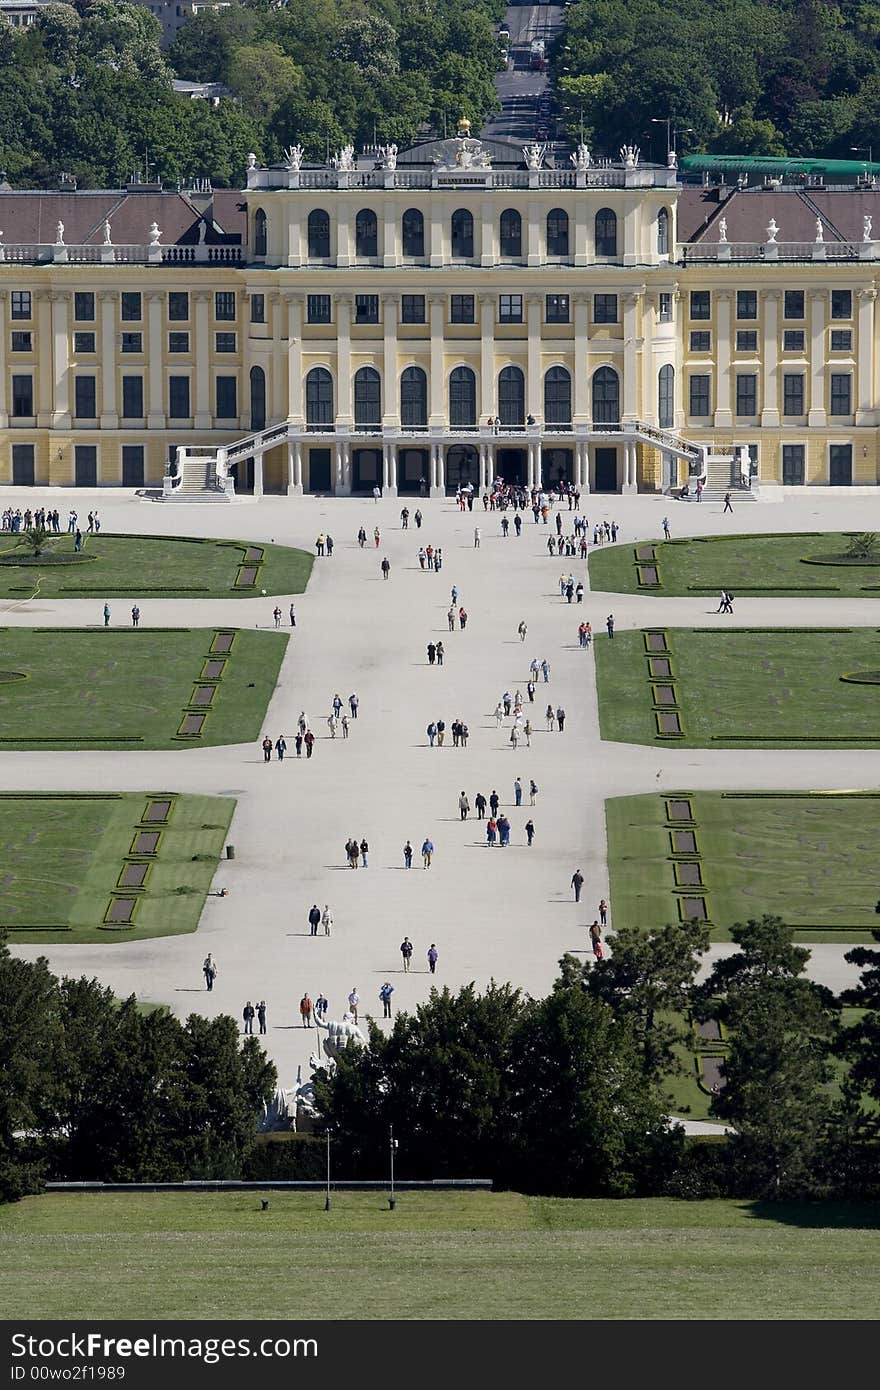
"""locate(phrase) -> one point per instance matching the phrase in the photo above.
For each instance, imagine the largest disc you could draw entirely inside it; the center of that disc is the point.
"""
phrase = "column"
(631, 254)
(343, 233)
(294, 360)
(202, 419)
(338, 472)
(294, 241)
(629, 466)
(535, 256)
(389, 234)
(865, 398)
(484, 467)
(437, 413)
(487, 356)
(631, 344)
(390, 392)
(580, 232)
(44, 360)
(770, 361)
(487, 240)
(723, 413)
(818, 304)
(258, 476)
(439, 488)
(343, 485)
(60, 361)
(155, 403)
(276, 384)
(581, 396)
(585, 466)
(294, 468)
(344, 406)
(437, 214)
(4, 411)
(534, 393)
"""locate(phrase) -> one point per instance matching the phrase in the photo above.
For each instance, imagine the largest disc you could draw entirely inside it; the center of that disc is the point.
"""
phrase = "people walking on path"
(365, 849)
(522, 630)
(407, 855)
(603, 912)
(314, 919)
(503, 831)
(427, 852)
(533, 791)
(596, 940)
(477, 537)
(280, 747)
(551, 718)
(209, 970)
(353, 705)
(609, 624)
(463, 806)
(665, 524)
(480, 805)
(560, 718)
(276, 614)
(309, 741)
(298, 743)
(106, 615)
(517, 792)
(545, 670)
(267, 749)
(494, 802)
(441, 732)
(385, 994)
(441, 652)
(432, 958)
(376, 536)
(305, 1010)
(292, 616)
(327, 920)
(432, 653)
(577, 883)
(344, 722)
(406, 950)
(322, 1004)
(728, 507)
(337, 704)
(261, 1015)
(530, 830)
(248, 1014)
(385, 567)
(135, 616)
(354, 1000)
(491, 830)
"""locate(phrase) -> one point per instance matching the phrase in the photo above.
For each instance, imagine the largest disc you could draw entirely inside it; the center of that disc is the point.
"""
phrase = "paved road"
(519, 89)
(491, 915)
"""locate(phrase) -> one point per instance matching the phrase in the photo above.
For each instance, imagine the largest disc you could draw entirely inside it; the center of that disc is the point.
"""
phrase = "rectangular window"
(793, 307)
(178, 397)
(747, 304)
(841, 393)
(224, 306)
(461, 308)
(23, 465)
(841, 304)
(366, 308)
(22, 340)
(746, 340)
(793, 465)
(318, 308)
(701, 304)
(226, 398)
(85, 398)
(793, 393)
(258, 308)
(83, 343)
(132, 342)
(793, 340)
(131, 306)
(412, 308)
(747, 394)
(841, 340)
(665, 307)
(698, 389)
(84, 306)
(224, 342)
(22, 396)
(178, 342)
(20, 305)
(178, 306)
(604, 308)
(132, 465)
(132, 397)
(701, 340)
(557, 308)
(510, 308)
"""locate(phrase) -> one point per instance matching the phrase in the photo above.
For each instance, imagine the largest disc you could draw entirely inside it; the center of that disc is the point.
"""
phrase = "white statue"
(388, 156)
(344, 161)
(867, 224)
(534, 155)
(252, 160)
(293, 158)
(819, 234)
(339, 1035)
(107, 238)
(672, 160)
(471, 155)
(630, 156)
(722, 230)
(59, 234)
(154, 234)
(581, 157)
(772, 232)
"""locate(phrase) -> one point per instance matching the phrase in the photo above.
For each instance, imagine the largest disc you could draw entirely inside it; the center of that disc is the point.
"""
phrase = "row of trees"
(769, 77)
(86, 88)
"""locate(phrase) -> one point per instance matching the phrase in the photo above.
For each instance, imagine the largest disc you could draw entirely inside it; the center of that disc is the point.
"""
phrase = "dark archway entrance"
(606, 471)
(243, 473)
(513, 466)
(366, 469)
(557, 466)
(320, 471)
(462, 467)
(413, 468)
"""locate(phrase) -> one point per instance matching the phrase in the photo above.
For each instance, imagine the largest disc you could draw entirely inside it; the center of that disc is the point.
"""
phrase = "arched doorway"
(462, 467)
(557, 466)
(366, 469)
(413, 471)
(513, 466)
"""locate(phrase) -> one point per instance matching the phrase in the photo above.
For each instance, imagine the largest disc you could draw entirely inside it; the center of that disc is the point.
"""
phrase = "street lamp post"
(392, 1145)
(864, 149)
(327, 1197)
(667, 121)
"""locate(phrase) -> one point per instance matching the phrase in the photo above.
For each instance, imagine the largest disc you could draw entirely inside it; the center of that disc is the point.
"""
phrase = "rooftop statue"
(388, 156)
(867, 224)
(722, 230)
(293, 158)
(534, 155)
(630, 156)
(672, 160)
(344, 161)
(581, 157)
(471, 155)
(819, 233)
(107, 238)
(155, 234)
(772, 232)
(464, 128)
(59, 234)
(252, 160)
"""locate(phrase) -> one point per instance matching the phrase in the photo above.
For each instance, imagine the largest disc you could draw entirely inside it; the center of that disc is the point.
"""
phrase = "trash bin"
(230, 851)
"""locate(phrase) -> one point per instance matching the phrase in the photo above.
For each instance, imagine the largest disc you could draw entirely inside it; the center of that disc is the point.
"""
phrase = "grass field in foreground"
(140, 567)
(746, 687)
(451, 1255)
(811, 859)
(127, 688)
(748, 565)
(63, 856)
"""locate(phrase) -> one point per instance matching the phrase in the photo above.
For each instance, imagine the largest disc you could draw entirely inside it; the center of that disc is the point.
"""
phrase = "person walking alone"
(530, 830)
(305, 1010)
(522, 630)
(432, 958)
(385, 994)
(135, 616)
(407, 855)
(386, 567)
(427, 853)
(209, 970)
(106, 615)
(609, 624)
(463, 806)
(577, 883)
(406, 950)
(727, 504)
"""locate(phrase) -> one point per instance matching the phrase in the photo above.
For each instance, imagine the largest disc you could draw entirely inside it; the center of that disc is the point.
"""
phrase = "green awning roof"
(758, 164)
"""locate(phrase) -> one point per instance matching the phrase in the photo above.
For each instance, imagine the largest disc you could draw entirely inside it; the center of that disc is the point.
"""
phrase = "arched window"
(606, 396)
(258, 398)
(606, 232)
(319, 397)
(462, 228)
(666, 397)
(413, 233)
(414, 398)
(462, 398)
(557, 232)
(557, 397)
(510, 233)
(367, 397)
(663, 232)
(319, 235)
(366, 235)
(511, 396)
(261, 233)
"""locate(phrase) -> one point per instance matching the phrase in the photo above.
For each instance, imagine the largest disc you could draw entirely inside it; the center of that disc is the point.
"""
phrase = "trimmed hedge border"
(806, 796)
(780, 589)
(61, 796)
(757, 739)
(121, 738)
(36, 926)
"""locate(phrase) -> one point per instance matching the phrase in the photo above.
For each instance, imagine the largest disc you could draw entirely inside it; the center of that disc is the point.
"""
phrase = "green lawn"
(745, 687)
(65, 854)
(757, 565)
(138, 568)
(811, 859)
(129, 689)
(438, 1256)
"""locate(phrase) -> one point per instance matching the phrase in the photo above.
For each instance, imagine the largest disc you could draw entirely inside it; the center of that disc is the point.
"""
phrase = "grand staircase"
(196, 479)
(722, 476)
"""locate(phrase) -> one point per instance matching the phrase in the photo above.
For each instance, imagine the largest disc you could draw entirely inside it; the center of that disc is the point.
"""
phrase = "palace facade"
(449, 314)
